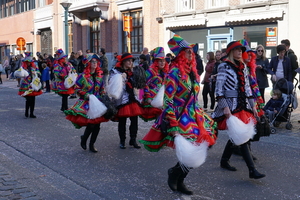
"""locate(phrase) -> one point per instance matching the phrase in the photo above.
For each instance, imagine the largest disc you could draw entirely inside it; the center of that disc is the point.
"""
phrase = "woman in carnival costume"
(235, 97)
(128, 105)
(89, 82)
(61, 70)
(182, 110)
(155, 78)
(26, 88)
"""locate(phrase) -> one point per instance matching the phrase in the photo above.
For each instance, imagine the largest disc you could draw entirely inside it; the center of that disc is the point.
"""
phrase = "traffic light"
(127, 23)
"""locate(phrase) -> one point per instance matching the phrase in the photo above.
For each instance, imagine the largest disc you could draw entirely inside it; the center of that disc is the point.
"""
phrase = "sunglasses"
(260, 50)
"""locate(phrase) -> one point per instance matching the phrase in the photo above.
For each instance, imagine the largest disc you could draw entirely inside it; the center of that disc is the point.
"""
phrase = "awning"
(187, 23)
(254, 17)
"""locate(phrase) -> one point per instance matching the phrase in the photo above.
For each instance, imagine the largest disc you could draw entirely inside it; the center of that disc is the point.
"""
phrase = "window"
(185, 5)
(216, 3)
(95, 35)
(70, 36)
(136, 36)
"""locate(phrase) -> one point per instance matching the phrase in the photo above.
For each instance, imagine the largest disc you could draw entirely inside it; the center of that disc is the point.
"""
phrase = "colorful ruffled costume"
(85, 86)
(194, 124)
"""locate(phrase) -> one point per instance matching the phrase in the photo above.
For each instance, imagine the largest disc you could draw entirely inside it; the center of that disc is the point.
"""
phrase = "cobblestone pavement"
(11, 189)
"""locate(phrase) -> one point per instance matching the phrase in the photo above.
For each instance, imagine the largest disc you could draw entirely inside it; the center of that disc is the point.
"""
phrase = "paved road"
(41, 158)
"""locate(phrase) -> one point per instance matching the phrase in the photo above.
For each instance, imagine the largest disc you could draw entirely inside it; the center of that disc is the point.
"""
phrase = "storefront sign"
(271, 34)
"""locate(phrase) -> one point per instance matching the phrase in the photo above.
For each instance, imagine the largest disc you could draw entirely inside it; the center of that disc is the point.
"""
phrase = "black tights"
(29, 105)
(64, 102)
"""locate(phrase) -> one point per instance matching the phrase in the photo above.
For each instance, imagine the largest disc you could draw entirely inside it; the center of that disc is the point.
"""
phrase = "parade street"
(43, 156)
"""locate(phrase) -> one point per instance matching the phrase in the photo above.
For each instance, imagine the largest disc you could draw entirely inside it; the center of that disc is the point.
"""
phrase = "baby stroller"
(289, 104)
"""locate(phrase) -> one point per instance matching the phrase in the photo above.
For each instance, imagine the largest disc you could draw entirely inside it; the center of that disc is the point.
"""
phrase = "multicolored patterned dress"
(85, 86)
(154, 82)
(25, 83)
(194, 124)
(61, 71)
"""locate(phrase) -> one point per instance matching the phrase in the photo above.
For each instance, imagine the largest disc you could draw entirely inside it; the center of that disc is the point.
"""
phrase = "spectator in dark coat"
(274, 104)
(143, 62)
(80, 63)
(199, 67)
(261, 70)
(291, 55)
(280, 66)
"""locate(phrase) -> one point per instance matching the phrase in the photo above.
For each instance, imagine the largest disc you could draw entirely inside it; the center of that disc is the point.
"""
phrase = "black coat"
(287, 68)
(261, 74)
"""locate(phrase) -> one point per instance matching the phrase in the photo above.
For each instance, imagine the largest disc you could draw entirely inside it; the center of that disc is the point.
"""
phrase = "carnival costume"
(26, 89)
(61, 70)
(128, 104)
(155, 79)
(196, 126)
(87, 84)
(233, 90)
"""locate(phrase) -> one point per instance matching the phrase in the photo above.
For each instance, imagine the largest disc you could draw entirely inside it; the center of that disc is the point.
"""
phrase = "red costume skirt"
(244, 116)
(34, 93)
(130, 110)
(150, 113)
(80, 121)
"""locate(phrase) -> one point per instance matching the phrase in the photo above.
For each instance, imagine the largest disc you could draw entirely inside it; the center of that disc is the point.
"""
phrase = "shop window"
(70, 36)
(185, 5)
(216, 3)
(95, 35)
(136, 36)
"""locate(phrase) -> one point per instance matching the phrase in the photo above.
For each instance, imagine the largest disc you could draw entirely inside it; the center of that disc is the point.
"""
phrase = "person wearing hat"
(25, 89)
(89, 82)
(235, 97)
(155, 76)
(128, 105)
(182, 110)
(61, 70)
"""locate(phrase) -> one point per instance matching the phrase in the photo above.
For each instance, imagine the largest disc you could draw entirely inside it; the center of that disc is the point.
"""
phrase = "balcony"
(84, 5)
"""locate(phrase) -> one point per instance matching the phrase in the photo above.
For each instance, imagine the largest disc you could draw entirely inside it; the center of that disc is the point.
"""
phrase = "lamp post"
(66, 6)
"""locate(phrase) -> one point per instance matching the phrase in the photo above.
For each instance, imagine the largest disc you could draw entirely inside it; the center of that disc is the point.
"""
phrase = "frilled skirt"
(77, 114)
(130, 110)
(202, 128)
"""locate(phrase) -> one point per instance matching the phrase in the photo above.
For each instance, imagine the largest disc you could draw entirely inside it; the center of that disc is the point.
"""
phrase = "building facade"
(93, 24)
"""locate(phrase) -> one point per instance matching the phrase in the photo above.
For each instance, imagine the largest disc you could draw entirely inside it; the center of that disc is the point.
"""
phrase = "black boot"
(133, 132)
(180, 185)
(122, 144)
(253, 173)
(95, 133)
(226, 156)
(26, 107)
(85, 136)
(122, 132)
(174, 173)
(133, 143)
(31, 107)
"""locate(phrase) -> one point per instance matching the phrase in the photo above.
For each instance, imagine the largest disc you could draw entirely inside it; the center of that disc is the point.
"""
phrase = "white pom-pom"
(190, 154)
(158, 100)
(115, 86)
(96, 107)
(238, 131)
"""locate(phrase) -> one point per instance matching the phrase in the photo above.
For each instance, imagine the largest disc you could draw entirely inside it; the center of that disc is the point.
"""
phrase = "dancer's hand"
(174, 133)
(227, 112)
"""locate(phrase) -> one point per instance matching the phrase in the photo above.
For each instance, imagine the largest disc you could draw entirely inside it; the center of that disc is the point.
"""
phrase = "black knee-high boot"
(253, 173)
(174, 173)
(32, 104)
(27, 105)
(87, 132)
(133, 128)
(93, 139)
(122, 131)
(226, 156)
(180, 185)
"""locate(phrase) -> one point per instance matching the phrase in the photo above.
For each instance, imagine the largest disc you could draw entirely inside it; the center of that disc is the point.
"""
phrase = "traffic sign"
(21, 42)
